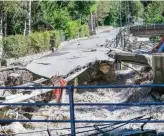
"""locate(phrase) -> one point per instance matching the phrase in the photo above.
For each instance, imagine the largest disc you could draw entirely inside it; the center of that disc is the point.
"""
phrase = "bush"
(155, 38)
(19, 45)
(74, 29)
(84, 30)
(14, 45)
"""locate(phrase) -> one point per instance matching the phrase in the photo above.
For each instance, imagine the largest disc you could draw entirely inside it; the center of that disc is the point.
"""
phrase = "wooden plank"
(11, 68)
(10, 96)
(41, 80)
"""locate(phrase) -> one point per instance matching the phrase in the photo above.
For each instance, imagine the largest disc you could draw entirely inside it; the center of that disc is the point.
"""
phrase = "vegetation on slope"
(68, 18)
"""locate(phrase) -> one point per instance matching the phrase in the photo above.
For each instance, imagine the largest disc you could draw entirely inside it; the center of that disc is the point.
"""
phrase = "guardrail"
(147, 27)
(71, 104)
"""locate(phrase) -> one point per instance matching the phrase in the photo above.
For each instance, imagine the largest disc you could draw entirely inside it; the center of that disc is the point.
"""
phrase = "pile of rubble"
(93, 76)
(87, 113)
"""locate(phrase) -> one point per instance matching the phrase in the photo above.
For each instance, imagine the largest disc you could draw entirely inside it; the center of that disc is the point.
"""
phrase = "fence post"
(72, 116)
(48, 131)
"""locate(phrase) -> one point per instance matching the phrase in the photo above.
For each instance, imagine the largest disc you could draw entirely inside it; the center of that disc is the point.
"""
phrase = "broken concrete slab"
(62, 65)
(73, 56)
(8, 97)
(144, 59)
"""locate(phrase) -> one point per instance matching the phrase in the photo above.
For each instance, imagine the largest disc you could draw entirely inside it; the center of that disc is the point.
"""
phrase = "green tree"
(67, 15)
(154, 12)
(14, 14)
(108, 12)
(102, 11)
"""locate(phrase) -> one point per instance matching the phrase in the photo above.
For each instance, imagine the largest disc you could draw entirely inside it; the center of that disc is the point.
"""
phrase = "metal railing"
(71, 104)
(147, 26)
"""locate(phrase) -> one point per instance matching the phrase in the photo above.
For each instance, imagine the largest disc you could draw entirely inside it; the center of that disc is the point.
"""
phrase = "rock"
(16, 75)
(155, 95)
(15, 127)
(37, 117)
(14, 79)
(162, 98)
(104, 67)
(3, 62)
(1, 83)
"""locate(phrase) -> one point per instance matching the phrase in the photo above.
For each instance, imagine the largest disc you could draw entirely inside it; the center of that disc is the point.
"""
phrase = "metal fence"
(71, 104)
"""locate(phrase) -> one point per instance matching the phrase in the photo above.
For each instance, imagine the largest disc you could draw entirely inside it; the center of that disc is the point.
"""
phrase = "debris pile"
(96, 74)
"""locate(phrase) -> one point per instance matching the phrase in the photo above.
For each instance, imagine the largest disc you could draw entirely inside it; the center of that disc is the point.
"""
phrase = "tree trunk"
(1, 19)
(29, 17)
(4, 24)
(27, 25)
(1, 29)
(25, 28)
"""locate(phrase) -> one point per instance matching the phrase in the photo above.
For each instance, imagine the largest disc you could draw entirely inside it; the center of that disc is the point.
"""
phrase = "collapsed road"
(83, 59)
(73, 60)
(76, 55)
(68, 63)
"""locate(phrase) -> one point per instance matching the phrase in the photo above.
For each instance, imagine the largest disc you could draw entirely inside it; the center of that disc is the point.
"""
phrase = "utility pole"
(120, 14)
(121, 23)
(128, 14)
(29, 17)
(1, 29)
(1, 20)
(91, 22)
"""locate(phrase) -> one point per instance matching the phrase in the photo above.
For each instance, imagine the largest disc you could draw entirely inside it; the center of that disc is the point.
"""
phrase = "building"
(42, 25)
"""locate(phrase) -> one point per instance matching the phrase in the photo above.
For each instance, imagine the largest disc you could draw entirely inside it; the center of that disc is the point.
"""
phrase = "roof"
(43, 22)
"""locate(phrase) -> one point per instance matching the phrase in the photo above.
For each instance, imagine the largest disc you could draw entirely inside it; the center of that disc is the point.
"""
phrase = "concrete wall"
(158, 68)
(158, 72)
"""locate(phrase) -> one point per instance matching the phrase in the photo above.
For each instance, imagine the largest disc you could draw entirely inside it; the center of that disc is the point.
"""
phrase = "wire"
(110, 125)
(140, 118)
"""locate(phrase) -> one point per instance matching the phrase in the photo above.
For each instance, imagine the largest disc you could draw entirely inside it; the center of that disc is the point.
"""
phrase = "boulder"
(162, 98)
(15, 127)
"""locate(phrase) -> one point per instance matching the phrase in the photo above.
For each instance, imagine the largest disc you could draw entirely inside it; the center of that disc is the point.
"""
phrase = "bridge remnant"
(155, 61)
(147, 30)
(158, 70)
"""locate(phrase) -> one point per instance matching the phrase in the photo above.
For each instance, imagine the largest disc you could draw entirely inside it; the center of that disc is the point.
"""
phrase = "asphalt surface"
(78, 53)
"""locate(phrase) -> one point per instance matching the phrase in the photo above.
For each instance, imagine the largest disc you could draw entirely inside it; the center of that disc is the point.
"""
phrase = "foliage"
(136, 9)
(84, 30)
(154, 12)
(14, 12)
(68, 16)
(108, 12)
(61, 14)
(155, 38)
(19, 45)
(72, 29)
(102, 11)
